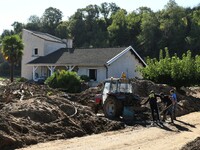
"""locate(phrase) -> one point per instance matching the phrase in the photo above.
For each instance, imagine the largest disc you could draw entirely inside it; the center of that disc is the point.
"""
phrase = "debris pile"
(186, 102)
(86, 97)
(32, 113)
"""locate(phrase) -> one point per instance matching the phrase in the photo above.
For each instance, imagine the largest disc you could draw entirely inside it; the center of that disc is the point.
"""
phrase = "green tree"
(173, 28)
(149, 32)
(77, 28)
(34, 23)
(7, 33)
(17, 27)
(91, 15)
(118, 30)
(12, 47)
(51, 19)
(193, 36)
(133, 24)
(62, 30)
(197, 68)
(106, 10)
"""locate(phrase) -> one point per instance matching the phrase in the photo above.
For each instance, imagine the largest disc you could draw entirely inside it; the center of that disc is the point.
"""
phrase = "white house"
(44, 53)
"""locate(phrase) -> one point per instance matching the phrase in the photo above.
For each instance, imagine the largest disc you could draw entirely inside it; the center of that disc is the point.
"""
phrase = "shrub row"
(175, 71)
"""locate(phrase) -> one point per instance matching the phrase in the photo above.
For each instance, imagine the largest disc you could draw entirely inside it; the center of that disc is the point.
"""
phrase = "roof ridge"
(39, 34)
(43, 33)
(103, 48)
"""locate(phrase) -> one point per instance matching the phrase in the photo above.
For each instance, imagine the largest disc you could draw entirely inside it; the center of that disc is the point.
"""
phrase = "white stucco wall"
(50, 47)
(30, 43)
(126, 63)
(101, 72)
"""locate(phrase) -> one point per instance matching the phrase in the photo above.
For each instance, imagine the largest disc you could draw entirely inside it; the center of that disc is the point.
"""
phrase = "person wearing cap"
(167, 106)
(152, 99)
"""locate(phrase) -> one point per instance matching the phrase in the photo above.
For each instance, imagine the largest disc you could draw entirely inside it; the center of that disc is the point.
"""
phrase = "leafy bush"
(175, 71)
(4, 69)
(66, 80)
(22, 79)
(85, 78)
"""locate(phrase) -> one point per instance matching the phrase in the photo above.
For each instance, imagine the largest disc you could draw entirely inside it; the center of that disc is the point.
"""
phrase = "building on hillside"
(44, 53)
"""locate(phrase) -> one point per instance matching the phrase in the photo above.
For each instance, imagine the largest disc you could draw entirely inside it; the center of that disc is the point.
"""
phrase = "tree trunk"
(11, 71)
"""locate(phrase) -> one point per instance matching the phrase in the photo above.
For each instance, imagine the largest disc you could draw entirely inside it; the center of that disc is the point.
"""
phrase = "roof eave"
(109, 62)
(51, 64)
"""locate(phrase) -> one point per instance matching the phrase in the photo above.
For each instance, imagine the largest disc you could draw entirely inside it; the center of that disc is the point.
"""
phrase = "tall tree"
(118, 30)
(193, 36)
(62, 30)
(91, 15)
(51, 19)
(34, 23)
(18, 26)
(173, 28)
(105, 11)
(12, 47)
(77, 28)
(7, 33)
(108, 9)
(133, 24)
(150, 33)
(88, 26)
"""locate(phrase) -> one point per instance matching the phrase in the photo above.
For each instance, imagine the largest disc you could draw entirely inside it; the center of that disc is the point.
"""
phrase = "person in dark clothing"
(152, 99)
(167, 106)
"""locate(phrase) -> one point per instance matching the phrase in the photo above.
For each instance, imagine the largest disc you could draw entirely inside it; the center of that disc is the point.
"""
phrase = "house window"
(93, 74)
(35, 51)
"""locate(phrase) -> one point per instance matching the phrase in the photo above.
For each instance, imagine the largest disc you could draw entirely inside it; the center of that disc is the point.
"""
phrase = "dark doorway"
(93, 74)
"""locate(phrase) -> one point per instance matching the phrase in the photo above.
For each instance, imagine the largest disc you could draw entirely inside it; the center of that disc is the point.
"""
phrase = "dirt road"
(166, 137)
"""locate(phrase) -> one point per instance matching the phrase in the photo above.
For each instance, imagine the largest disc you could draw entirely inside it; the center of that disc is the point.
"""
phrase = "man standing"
(174, 103)
(152, 99)
(167, 106)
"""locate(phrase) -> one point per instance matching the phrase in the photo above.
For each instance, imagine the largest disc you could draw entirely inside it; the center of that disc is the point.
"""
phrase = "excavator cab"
(116, 86)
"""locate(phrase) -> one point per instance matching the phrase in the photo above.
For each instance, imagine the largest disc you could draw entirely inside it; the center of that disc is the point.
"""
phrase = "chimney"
(68, 42)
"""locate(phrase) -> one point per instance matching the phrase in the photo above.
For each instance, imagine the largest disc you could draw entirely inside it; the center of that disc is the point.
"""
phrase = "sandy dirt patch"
(169, 137)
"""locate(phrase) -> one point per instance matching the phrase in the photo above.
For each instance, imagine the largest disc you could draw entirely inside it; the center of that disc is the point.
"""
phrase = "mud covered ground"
(158, 137)
(31, 113)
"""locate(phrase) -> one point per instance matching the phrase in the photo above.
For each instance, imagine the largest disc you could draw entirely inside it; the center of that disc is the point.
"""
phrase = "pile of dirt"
(143, 88)
(194, 145)
(186, 101)
(86, 97)
(31, 113)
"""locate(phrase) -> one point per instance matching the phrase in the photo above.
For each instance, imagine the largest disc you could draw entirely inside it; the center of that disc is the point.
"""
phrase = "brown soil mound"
(186, 102)
(142, 88)
(194, 145)
(86, 97)
(39, 118)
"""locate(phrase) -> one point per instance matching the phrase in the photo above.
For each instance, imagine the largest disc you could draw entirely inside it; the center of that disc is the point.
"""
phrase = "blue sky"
(21, 10)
